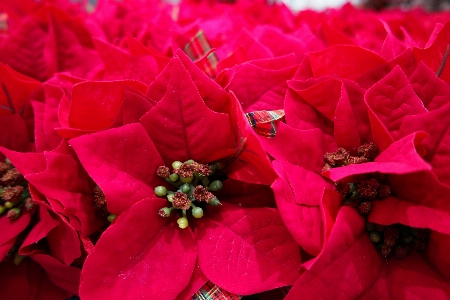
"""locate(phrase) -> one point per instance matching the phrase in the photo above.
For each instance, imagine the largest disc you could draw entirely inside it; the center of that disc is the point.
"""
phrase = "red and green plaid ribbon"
(263, 121)
(199, 50)
(210, 291)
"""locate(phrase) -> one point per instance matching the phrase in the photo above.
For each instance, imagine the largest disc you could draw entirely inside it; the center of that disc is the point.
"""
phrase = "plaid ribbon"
(199, 50)
(210, 291)
(263, 121)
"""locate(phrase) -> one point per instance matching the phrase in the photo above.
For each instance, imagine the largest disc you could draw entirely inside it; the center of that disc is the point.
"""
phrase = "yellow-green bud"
(197, 212)
(176, 164)
(160, 191)
(111, 218)
(183, 222)
(186, 179)
(173, 177)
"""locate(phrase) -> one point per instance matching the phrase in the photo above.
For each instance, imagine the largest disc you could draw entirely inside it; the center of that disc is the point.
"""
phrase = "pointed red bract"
(238, 245)
(123, 162)
(158, 263)
(188, 123)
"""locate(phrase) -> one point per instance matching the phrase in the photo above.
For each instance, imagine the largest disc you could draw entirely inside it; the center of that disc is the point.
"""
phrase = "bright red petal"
(141, 255)
(123, 162)
(246, 250)
(191, 129)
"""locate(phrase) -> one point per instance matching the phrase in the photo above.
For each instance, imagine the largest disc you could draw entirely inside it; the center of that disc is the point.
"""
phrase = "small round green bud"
(214, 202)
(170, 197)
(186, 179)
(375, 236)
(197, 212)
(185, 188)
(176, 164)
(9, 204)
(164, 212)
(215, 185)
(111, 218)
(182, 222)
(2, 209)
(160, 191)
(189, 161)
(173, 177)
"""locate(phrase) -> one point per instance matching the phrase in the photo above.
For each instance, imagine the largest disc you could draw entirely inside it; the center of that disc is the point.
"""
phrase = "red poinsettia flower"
(37, 245)
(38, 237)
(383, 167)
(244, 250)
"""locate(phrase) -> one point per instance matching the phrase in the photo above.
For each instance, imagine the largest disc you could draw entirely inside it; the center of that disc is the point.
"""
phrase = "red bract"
(410, 145)
(259, 84)
(43, 242)
(349, 267)
(47, 42)
(86, 107)
(244, 250)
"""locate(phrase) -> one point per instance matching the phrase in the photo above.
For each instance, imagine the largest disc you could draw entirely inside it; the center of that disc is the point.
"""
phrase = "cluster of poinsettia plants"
(148, 150)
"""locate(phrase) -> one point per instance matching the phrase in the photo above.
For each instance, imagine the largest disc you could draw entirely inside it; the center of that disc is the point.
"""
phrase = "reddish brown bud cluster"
(398, 239)
(364, 207)
(180, 200)
(368, 188)
(203, 170)
(368, 150)
(360, 195)
(202, 194)
(186, 170)
(12, 194)
(99, 201)
(341, 157)
(11, 177)
(163, 171)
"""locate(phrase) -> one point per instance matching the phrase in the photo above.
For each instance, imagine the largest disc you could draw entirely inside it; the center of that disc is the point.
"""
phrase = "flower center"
(194, 187)
(14, 193)
(395, 239)
(99, 202)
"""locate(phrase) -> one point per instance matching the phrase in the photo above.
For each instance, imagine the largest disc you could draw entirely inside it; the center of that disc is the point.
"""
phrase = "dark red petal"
(259, 88)
(95, 105)
(30, 280)
(431, 90)
(298, 193)
(391, 99)
(123, 162)
(198, 279)
(191, 129)
(434, 54)
(60, 236)
(140, 255)
(67, 182)
(408, 278)
(347, 266)
(14, 133)
(344, 61)
(419, 201)
(246, 250)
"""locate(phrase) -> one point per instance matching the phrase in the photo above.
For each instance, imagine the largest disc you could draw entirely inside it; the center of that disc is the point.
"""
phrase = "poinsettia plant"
(218, 149)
